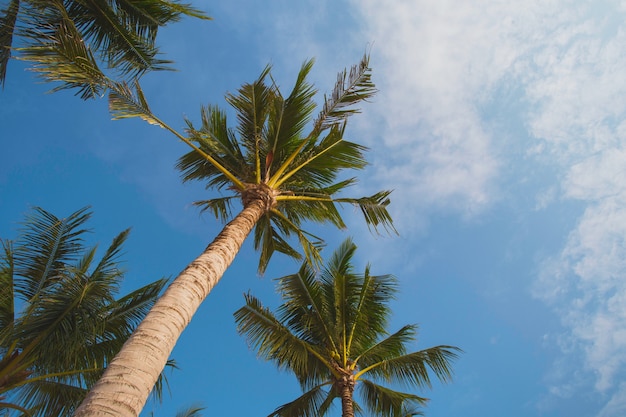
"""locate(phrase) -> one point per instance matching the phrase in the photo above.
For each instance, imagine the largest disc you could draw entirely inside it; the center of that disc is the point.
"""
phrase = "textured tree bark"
(126, 384)
(346, 389)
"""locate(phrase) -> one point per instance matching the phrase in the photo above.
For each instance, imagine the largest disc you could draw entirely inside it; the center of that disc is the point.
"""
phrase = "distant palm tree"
(284, 179)
(60, 323)
(77, 42)
(330, 331)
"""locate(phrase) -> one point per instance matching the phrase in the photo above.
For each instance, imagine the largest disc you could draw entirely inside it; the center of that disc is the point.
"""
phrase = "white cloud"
(578, 90)
(438, 63)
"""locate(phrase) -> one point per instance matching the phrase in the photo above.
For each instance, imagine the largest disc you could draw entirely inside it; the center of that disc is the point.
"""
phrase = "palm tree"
(60, 323)
(330, 331)
(71, 41)
(283, 178)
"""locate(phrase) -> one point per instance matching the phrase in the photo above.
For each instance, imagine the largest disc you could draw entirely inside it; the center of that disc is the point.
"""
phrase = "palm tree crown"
(75, 41)
(271, 158)
(330, 331)
(60, 323)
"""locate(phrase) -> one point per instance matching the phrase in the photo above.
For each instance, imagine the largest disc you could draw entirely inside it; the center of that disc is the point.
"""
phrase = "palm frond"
(71, 325)
(374, 208)
(289, 118)
(384, 401)
(8, 18)
(191, 411)
(111, 31)
(253, 106)
(221, 207)
(350, 88)
(58, 54)
(275, 342)
(46, 244)
(308, 404)
(412, 368)
(304, 307)
(124, 103)
(390, 347)
(72, 41)
(319, 164)
(7, 295)
(372, 311)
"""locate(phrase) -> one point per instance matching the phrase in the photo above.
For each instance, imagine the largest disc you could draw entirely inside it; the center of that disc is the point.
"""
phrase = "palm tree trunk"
(124, 388)
(346, 391)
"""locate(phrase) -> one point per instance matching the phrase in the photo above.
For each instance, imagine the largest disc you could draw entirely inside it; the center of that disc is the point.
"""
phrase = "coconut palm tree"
(60, 322)
(81, 43)
(330, 331)
(283, 177)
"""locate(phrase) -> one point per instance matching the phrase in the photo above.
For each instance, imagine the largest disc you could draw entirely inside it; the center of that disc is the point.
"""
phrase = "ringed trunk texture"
(346, 391)
(124, 387)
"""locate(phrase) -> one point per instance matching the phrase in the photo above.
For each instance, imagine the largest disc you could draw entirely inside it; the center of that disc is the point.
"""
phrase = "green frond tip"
(124, 103)
(350, 88)
(374, 208)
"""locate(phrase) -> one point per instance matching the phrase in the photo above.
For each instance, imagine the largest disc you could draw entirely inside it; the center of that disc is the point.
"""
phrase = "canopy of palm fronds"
(276, 152)
(330, 331)
(83, 44)
(60, 320)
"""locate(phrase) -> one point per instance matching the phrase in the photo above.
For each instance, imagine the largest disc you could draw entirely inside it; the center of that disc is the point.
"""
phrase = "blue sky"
(500, 126)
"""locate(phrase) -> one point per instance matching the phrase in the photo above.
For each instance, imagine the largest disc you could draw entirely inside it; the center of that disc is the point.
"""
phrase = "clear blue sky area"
(500, 127)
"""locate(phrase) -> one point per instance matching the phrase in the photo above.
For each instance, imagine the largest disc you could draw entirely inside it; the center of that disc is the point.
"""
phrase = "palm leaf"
(412, 368)
(277, 343)
(387, 402)
(7, 28)
(68, 41)
(350, 88)
(47, 243)
(374, 208)
(307, 405)
(7, 305)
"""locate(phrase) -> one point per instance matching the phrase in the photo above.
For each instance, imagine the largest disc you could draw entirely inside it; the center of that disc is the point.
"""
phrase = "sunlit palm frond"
(413, 368)
(124, 103)
(350, 88)
(387, 402)
(46, 245)
(317, 166)
(58, 54)
(113, 31)
(253, 105)
(70, 325)
(372, 311)
(289, 118)
(275, 342)
(304, 307)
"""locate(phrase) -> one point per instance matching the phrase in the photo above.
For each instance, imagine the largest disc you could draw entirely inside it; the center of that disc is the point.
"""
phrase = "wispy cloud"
(440, 64)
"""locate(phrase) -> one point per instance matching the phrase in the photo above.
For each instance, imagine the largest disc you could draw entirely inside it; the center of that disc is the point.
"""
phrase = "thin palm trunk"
(126, 384)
